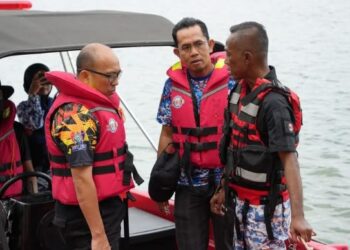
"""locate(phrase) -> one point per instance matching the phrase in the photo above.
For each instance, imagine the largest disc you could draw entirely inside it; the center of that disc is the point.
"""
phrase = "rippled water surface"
(310, 48)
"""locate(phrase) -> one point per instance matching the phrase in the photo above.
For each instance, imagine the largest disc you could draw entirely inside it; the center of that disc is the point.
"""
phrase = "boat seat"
(148, 229)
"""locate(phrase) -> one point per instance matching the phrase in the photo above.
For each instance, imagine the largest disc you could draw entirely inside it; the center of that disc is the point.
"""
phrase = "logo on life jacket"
(178, 101)
(112, 126)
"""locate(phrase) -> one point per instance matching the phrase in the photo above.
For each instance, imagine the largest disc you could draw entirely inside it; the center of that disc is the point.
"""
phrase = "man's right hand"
(100, 243)
(164, 207)
(217, 202)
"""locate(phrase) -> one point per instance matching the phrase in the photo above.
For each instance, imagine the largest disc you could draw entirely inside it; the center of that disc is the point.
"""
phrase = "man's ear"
(176, 52)
(83, 76)
(248, 56)
(211, 44)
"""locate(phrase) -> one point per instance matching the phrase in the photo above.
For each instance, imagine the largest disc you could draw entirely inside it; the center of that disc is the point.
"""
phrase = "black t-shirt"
(22, 141)
(275, 123)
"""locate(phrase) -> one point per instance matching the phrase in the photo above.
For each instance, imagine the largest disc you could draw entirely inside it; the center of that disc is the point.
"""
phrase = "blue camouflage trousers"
(255, 234)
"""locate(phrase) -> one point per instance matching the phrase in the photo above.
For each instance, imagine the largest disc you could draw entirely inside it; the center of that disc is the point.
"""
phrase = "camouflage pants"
(255, 234)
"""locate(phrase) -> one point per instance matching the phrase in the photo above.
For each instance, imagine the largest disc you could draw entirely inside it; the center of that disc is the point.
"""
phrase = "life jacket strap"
(109, 155)
(198, 131)
(268, 223)
(66, 172)
(7, 166)
(198, 147)
(61, 159)
(130, 169)
(239, 233)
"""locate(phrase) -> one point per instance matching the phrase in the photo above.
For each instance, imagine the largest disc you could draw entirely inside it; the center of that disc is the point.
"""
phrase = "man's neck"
(205, 72)
(258, 73)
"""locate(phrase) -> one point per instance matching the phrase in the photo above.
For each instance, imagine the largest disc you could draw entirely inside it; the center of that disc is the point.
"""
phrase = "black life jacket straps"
(97, 156)
(197, 131)
(127, 165)
(129, 168)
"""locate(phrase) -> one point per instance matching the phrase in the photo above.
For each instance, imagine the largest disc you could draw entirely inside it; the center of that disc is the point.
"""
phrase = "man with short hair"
(191, 112)
(88, 153)
(262, 169)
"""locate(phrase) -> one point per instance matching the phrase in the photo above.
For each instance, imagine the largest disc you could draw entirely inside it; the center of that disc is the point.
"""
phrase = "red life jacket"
(110, 172)
(10, 160)
(256, 168)
(201, 137)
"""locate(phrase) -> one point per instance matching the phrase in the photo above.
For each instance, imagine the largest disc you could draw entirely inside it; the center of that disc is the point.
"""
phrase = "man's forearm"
(28, 166)
(165, 138)
(294, 184)
(87, 197)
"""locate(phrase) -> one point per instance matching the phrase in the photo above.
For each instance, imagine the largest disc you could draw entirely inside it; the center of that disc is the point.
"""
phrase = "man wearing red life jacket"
(90, 163)
(262, 170)
(191, 112)
(15, 154)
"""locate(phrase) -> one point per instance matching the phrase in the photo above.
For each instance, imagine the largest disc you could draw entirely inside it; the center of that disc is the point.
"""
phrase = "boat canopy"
(29, 32)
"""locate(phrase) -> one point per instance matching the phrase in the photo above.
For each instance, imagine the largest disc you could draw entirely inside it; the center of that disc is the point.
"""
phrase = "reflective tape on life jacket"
(199, 132)
(10, 160)
(250, 175)
(112, 164)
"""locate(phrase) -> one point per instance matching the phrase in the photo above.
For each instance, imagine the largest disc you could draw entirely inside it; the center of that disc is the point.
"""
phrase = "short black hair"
(188, 22)
(263, 40)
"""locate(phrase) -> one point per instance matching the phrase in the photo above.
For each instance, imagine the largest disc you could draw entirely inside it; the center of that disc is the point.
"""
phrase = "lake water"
(310, 48)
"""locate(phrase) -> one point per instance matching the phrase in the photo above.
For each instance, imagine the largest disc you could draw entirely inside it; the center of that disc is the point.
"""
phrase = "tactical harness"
(248, 162)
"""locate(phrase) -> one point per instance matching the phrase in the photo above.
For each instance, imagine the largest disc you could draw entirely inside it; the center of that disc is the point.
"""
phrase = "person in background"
(191, 113)
(262, 169)
(14, 148)
(90, 163)
(31, 113)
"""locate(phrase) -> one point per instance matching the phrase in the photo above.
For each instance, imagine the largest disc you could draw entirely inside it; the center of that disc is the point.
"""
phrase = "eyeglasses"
(112, 77)
(199, 45)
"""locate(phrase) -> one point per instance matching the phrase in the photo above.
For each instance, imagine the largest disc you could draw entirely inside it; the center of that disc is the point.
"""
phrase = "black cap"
(7, 91)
